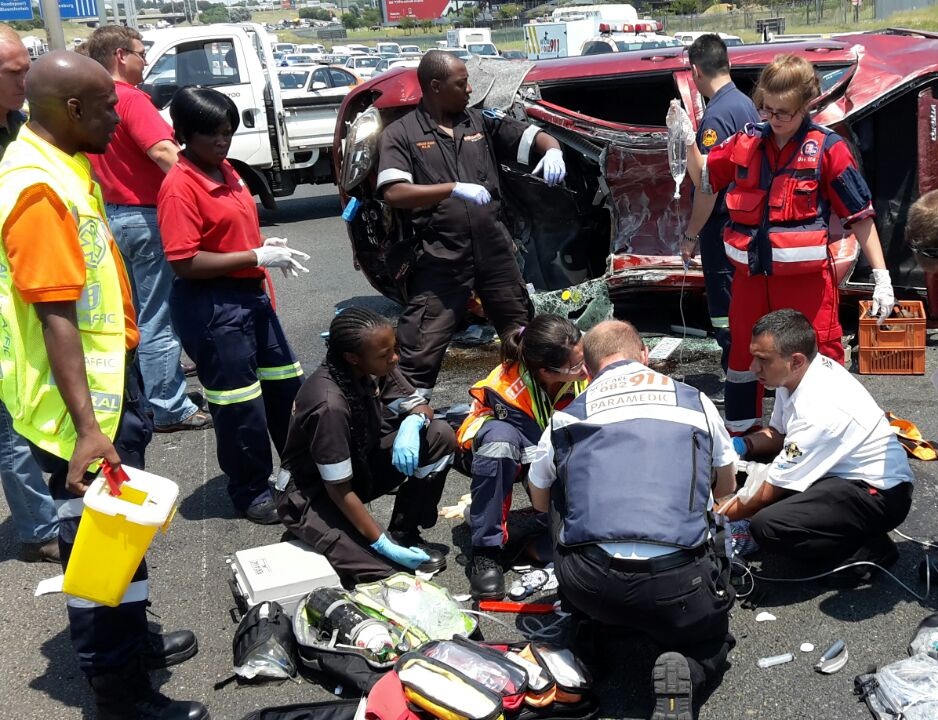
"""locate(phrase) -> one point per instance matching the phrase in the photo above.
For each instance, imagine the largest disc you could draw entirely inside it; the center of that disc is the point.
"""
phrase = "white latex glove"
(884, 300)
(553, 167)
(276, 242)
(470, 192)
(278, 256)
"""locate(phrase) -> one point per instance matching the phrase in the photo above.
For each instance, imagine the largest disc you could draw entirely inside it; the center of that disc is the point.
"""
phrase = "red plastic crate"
(897, 347)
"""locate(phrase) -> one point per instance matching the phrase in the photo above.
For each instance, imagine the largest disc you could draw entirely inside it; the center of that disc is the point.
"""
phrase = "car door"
(220, 63)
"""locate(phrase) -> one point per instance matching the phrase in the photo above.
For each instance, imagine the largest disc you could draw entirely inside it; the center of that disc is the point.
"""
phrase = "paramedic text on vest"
(628, 537)
(785, 176)
(840, 480)
(439, 164)
(64, 331)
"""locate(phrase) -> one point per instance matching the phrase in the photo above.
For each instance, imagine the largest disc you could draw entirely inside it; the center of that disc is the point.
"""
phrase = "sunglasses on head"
(929, 252)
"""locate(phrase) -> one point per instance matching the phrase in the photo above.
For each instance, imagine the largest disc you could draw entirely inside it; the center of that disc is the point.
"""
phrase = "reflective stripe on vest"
(633, 456)
(27, 387)
(778, 219)
(508, 393)
(282, 372)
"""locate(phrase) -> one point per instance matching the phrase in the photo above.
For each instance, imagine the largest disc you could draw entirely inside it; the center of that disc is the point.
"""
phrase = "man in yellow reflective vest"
(67, 376)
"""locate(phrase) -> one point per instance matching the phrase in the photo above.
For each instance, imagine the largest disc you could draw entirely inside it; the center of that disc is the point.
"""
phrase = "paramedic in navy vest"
(439, 164)
(616, 468)
(840, 480)
(785, 177)
(727, 112)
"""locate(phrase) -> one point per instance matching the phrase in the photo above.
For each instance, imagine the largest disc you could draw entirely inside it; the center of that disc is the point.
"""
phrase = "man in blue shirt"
(728, 111)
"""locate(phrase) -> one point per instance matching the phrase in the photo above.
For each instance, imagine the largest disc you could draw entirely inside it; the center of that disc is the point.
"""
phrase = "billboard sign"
(397, 10)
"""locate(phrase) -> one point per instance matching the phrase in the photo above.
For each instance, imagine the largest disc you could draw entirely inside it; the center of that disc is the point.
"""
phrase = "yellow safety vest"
(27, 387)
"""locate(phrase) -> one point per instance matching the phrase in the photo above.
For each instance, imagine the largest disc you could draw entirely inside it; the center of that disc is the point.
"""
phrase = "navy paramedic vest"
(633, 457)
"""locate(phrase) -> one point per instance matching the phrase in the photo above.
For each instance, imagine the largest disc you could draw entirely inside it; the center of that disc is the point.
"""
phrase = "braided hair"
(347, 333)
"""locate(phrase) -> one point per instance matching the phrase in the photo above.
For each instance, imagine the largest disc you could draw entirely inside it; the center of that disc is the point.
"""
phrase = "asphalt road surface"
(39, 677)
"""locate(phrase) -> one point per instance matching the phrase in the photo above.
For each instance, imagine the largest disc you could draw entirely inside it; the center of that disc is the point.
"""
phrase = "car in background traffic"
(614, 217)
(687, 38)
(461, 53)
(293, 59)
(363, 65)
(386, 65)
(485, 49)
(514, 55)
(411, 49)
(322, 81)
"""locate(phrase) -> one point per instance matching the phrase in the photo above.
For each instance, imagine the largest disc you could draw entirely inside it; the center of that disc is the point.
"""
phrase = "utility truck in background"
(569, 27)
(280, 143)
(461, 37)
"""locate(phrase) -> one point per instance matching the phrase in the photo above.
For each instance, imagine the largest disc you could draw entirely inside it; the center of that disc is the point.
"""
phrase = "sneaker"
(47, 551)
(437, 561)
(263, 510)
(673, 690)
(196, 421)
(486, 579)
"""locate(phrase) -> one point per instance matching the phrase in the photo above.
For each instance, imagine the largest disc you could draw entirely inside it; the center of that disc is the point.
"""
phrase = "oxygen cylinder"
(332, 612)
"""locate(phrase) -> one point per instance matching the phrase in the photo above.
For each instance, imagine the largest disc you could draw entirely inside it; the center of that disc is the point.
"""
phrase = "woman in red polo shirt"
(785, 177)
(211, 236)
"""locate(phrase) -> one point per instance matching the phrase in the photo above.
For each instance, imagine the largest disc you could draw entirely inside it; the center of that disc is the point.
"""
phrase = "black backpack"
(264, 647)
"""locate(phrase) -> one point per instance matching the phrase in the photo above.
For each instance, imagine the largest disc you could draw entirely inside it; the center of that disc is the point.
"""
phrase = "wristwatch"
(692, 238)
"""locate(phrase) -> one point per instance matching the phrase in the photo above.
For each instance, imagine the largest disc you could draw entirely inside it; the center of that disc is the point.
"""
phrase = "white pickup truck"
(280, 143)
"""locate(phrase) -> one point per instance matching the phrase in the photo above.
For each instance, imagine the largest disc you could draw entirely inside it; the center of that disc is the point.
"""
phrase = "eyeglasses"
(142, 54)
(574, 370)
(780, 115)
(929, 252)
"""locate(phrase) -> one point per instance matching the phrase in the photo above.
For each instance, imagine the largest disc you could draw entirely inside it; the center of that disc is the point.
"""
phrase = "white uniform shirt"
(543, 472)
(833, 427)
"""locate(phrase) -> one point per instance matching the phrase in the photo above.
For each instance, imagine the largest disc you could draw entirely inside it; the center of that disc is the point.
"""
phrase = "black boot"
(412, 538)
(164, 649)
(487, 580)
(128, 695)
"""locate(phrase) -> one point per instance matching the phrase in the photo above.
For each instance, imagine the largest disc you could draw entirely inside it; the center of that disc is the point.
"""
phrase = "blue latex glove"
(410, 558)
(739, 445)
(406, 450)
(552, 166)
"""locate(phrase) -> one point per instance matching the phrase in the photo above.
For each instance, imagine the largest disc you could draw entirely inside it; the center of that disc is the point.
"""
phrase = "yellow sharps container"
(115, 532)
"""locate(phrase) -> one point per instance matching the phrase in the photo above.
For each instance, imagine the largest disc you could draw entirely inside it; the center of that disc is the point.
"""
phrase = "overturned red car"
(615, 217)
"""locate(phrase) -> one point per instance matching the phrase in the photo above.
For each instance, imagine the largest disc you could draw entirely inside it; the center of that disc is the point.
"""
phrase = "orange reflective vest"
(510, 394)
(778, 220)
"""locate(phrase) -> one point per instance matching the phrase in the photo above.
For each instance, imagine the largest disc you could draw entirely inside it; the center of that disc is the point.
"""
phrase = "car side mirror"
(319, 85)
(161, 95)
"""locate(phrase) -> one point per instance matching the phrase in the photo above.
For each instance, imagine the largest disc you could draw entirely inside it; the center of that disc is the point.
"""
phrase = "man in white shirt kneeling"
(840, 481)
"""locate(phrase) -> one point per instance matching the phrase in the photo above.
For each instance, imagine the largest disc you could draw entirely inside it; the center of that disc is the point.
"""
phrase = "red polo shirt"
(126, 173)
(198, 213)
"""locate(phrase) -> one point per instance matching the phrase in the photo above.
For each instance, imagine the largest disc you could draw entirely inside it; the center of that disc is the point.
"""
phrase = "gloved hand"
(552, 166)
(410, 558)
(739, 445)
(884, 300)
(406, 449)
(470, 192)
(689, 248)
(275, 255)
